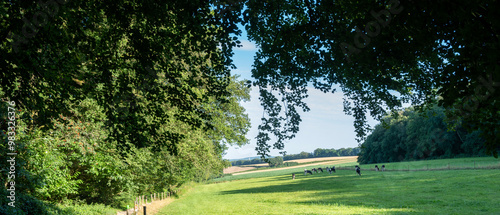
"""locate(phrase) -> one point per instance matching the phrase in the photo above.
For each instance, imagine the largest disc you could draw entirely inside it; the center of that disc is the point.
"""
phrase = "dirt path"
(329, 160)
(151, 208)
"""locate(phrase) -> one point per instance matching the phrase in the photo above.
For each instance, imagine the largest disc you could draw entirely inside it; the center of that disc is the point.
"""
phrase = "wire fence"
(142, 202)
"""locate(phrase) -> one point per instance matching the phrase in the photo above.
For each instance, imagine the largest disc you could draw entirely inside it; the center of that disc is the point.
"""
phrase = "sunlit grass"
(390, 192)
(454, 163)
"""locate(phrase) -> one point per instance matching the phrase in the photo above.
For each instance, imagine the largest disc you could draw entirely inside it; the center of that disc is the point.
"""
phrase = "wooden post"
(144, 209)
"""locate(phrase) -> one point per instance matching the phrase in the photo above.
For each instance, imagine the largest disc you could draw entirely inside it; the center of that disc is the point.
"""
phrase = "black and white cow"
(307, 171)
(358, 170)
(376, 168)
(383, 167)
(330, 170)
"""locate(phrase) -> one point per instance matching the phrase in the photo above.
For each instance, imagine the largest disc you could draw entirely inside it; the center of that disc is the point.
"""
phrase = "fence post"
(144, 209)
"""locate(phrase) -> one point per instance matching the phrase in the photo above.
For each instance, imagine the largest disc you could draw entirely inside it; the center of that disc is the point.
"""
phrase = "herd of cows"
(330, 170)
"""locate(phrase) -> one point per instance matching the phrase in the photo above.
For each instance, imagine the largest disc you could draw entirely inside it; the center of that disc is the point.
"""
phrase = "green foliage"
(247, 162)
(136, 65)
(118, 99)
(276, 161)
(25, 204)
(381, 54)
(413, 136)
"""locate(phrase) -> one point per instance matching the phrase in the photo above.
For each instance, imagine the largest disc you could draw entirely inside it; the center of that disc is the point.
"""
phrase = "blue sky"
(325, 126)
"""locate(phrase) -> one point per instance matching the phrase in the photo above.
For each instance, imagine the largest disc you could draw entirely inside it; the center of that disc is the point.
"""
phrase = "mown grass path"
(394, 192)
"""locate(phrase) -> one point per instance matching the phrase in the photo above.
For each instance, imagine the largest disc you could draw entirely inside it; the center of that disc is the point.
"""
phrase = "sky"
(324, 126)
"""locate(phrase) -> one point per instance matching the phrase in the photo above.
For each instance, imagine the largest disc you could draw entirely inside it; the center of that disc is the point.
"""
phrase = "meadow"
(444, 191)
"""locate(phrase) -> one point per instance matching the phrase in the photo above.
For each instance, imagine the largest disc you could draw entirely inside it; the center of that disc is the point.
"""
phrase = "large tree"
(131, 96)
(135, 58)
(381, 54)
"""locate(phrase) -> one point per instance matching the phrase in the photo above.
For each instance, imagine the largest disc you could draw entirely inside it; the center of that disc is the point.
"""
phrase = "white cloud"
(247, 46)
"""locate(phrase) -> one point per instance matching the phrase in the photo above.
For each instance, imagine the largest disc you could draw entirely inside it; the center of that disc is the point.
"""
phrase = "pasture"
(469, 191)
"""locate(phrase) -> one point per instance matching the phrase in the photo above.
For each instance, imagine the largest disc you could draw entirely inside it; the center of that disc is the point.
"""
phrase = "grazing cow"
(307, 171)
(320, 169)
(314, 170)
(376, 168)
(293, 176)
(358, 170)
(333, 169)
(383, 167)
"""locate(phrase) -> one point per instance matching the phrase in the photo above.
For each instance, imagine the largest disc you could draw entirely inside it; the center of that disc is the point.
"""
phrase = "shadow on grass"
(344, 189)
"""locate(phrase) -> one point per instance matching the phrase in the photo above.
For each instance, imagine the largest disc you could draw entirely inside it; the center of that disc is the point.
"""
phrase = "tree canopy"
(129, 97)
(136, 59)
(381, 54)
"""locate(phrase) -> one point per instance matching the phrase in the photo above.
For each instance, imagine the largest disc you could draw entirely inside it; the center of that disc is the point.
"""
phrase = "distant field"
(469, 191)
(342, 161)
(242, 168)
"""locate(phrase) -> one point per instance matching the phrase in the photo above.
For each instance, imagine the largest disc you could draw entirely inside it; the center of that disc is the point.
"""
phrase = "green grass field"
(470, 191)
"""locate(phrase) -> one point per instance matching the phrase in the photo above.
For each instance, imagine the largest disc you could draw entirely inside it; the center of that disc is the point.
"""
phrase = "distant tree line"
(414, 136)
(319, 152)
(247, 162)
